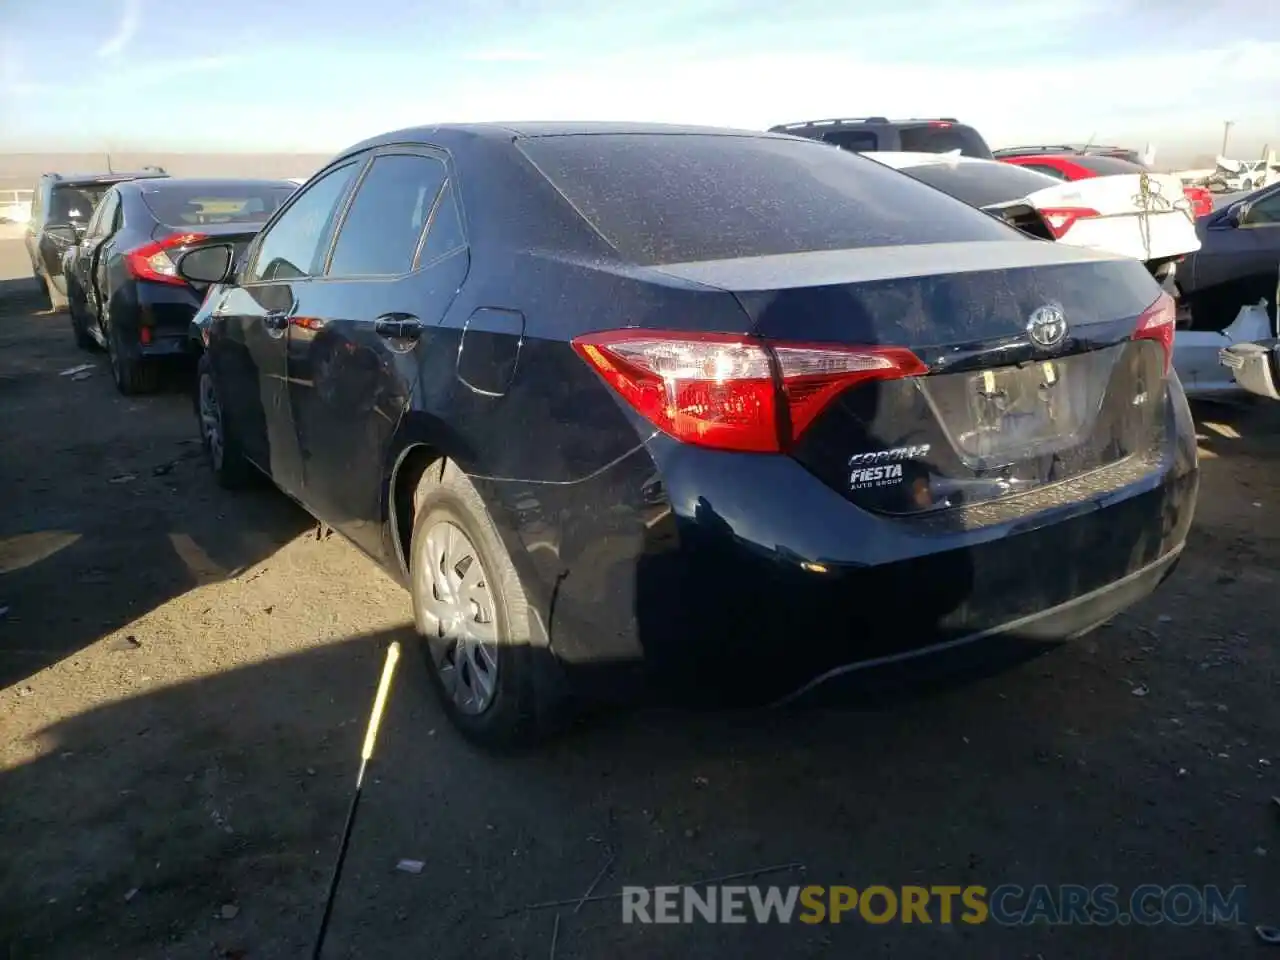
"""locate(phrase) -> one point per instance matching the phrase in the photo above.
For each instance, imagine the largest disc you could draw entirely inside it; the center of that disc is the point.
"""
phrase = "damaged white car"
(1146, 216)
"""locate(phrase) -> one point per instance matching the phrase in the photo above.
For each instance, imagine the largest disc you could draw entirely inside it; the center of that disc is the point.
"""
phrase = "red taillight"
(151, 262)
(1201, 200)
(1061, 219)
(1158, 323)
(733, 392)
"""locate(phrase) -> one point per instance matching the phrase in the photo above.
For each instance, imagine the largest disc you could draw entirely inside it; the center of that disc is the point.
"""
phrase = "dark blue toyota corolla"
(625, 406)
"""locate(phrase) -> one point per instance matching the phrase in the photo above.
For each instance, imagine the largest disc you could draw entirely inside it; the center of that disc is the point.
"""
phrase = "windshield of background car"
(678, 198)
(981, 184)
(942, 137)
(190, 205)
(75, 204)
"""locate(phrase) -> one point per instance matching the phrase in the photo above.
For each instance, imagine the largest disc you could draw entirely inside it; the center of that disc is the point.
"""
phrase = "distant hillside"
(21, 170)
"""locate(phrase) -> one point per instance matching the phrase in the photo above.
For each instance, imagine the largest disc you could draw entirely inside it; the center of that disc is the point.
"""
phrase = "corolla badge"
(1047, 325)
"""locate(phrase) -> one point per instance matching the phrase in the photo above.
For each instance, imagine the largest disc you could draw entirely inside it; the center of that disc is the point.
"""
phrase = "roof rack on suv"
(835, 122)
(1094, 148)
(841, 121)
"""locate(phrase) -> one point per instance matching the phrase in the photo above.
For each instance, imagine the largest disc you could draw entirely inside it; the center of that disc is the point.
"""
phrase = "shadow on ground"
(108, 508)
(230, 791)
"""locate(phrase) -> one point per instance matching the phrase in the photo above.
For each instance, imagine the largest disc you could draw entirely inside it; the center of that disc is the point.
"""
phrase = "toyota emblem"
(1047, 326)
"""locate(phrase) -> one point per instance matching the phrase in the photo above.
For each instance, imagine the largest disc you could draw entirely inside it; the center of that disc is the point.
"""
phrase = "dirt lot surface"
(185, 673)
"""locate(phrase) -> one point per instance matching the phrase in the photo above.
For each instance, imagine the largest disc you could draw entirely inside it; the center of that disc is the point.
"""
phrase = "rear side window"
(294, 245)
(855, 140)
(672, 198)
(942, 137)
(444, 234)
(981, 184)
(177, 204)
(380, 234)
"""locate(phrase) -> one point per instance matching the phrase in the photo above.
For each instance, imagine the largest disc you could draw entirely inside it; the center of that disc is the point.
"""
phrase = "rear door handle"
(398, 327)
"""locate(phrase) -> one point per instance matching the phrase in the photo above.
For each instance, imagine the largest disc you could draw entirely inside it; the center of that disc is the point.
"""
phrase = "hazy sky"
(273, 75)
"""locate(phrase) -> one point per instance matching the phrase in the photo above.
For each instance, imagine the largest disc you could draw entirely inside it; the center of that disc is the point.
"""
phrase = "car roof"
(161, 183)
(446, 133)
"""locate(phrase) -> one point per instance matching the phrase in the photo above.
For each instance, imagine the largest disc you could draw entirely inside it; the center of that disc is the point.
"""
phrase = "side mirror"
(62, 232)
(1237, 212)
(210, 264)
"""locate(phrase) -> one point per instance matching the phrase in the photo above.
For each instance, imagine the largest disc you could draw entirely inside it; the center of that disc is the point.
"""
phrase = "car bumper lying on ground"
(1198, 355)
(1255, 366)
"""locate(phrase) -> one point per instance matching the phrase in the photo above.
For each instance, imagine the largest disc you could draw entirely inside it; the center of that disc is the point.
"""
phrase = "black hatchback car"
(626, 403)
(61, 206)
(124, 294)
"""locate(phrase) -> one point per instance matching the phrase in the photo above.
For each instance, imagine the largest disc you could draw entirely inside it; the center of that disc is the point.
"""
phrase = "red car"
(1080, 166)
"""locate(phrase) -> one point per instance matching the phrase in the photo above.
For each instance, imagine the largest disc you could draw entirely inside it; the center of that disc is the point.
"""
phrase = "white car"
(1145, 216)
(1152, 222)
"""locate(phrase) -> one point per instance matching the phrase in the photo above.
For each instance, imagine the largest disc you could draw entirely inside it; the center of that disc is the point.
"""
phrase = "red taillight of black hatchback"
(731, 392)
(1158, 322)
(152, 262)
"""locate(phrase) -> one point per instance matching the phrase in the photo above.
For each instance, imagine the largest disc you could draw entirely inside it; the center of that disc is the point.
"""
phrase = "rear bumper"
(1255, 366)
(1007, 643)
(167, 309)
(740, 579)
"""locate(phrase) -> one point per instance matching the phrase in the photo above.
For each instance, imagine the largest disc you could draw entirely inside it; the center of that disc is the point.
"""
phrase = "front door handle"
(398, 327)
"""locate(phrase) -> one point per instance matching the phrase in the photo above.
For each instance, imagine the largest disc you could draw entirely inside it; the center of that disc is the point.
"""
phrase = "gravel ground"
(184, 676)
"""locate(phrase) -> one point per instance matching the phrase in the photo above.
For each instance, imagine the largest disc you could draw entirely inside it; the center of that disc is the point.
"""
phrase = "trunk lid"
(999, 413)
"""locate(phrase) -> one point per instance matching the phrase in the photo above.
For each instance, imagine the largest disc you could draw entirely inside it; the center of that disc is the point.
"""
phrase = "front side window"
(384, 225)
(294, 246)
(1265, 211)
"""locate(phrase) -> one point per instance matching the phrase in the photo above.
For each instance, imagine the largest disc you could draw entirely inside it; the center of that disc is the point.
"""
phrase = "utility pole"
(1226, 134)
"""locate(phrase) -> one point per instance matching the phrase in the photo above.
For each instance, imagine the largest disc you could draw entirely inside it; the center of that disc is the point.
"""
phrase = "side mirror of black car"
(210, 264)
(1237, 212)
(62, 232)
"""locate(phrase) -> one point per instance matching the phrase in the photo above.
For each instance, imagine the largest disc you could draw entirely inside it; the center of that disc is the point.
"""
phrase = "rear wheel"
(230, 468)
(132, 373)
(472, 614)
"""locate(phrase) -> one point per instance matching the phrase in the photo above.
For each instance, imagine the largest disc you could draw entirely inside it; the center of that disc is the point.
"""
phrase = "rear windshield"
(673, 198)
(855, 140)
(981, 184)
(74, 204)
(942, 137)
(1106, 166)
(184, 205)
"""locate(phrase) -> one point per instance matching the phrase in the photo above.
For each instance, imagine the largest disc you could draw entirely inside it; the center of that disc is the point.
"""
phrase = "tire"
(230, 468)
(132, 373)
(518, 708)
(57, 299)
